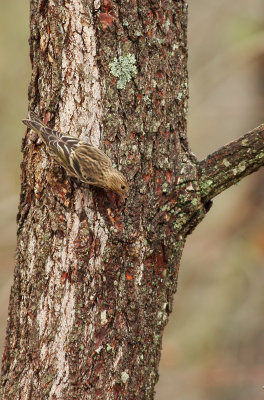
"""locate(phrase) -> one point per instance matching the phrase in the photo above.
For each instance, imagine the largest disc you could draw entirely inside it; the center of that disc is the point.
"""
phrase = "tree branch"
(231, 163)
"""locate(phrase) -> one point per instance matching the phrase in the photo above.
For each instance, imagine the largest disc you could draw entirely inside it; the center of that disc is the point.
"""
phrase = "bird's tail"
(33, 122)
(58, 145)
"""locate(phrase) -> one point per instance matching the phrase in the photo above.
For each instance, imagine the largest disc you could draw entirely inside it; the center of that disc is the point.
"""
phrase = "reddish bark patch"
(64, 277)
(106, 20)
(157, 261)
(146, 178)
(117, 388)
(129, 277)
(166, 134)
(169, 176)
(159, 186)
(107, 6)
(115, 220)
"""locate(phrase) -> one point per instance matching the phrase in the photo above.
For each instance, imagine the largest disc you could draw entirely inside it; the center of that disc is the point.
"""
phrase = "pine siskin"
(79, 158)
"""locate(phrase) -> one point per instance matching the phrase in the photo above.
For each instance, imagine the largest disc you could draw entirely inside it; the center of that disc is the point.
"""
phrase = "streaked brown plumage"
(79, 158)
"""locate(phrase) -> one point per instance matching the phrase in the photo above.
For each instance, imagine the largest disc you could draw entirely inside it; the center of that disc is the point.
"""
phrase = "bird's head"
(117, 183)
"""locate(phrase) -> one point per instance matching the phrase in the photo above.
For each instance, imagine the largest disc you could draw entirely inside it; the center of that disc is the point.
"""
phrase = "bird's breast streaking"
(79, 158)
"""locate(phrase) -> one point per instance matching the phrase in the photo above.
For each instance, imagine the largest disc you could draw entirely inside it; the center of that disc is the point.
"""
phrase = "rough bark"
(228, 165)
(94, 282)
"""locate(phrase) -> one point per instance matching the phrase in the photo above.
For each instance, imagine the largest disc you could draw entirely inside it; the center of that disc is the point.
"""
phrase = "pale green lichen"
(109, 348)
(179, 96)
(160, 41)
(260, 155)
(167, 25)
(165, 187)
(103, 317)
(226, 162)
(245, 142)
(147, 99)
(156, 338)
(195, 202)
(123, 68)
(205, 185)
(124, 376)
(240, 168)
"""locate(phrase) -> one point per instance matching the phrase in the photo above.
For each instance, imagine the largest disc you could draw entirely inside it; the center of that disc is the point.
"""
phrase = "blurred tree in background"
(214, 350)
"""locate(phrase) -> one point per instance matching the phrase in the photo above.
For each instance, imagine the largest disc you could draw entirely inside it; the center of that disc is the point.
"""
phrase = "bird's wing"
(58, 145)
(90, 163)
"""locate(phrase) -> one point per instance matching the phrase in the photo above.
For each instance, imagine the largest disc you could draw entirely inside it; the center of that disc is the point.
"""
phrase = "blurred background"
(213, 344)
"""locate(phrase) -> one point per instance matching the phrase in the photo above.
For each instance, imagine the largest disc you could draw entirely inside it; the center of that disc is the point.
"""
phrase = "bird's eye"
(123, 187)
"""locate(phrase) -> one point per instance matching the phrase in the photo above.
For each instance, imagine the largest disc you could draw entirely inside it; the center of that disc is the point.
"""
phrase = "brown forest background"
(213, 345)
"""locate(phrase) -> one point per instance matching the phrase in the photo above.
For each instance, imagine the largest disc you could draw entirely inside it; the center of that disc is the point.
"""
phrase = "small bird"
(80, 159)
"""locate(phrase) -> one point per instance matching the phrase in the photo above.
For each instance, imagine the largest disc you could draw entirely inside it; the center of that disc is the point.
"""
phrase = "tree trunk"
(95, 278)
